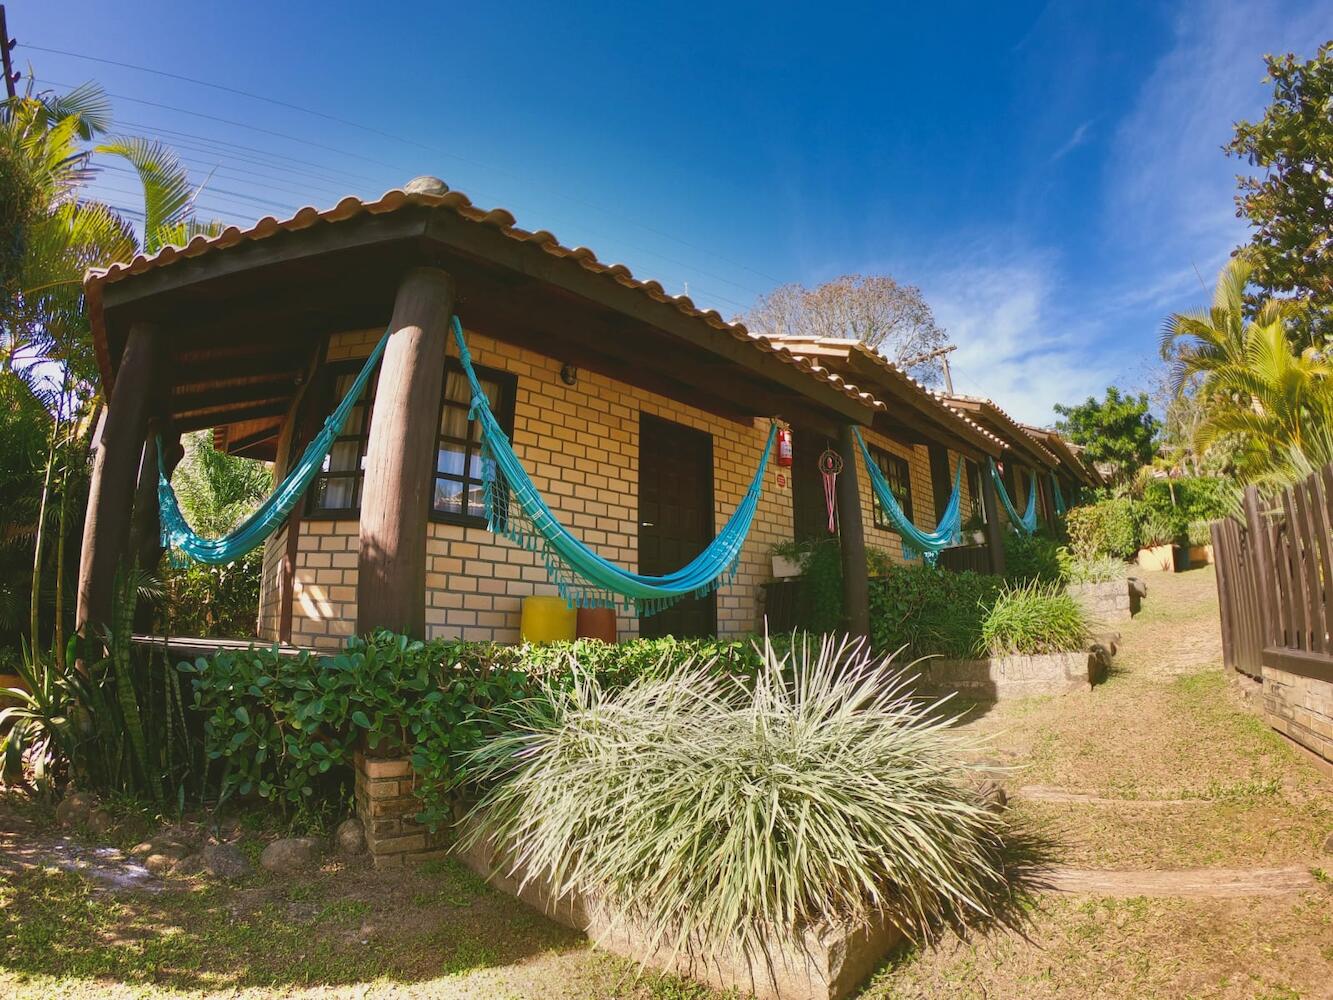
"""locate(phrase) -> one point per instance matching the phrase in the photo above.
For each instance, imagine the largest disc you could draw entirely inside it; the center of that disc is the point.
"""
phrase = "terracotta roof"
(1017, 431)
(935, 400)
(458, 203)
(1073, 452)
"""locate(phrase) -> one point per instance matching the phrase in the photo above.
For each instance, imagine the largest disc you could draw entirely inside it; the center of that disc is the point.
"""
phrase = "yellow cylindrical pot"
(547, 619)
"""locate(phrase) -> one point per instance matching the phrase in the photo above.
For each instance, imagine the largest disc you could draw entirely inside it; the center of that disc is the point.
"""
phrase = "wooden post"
(994, 531)
(400, 458)
(106, 525)
(852, 542)
(146, 526)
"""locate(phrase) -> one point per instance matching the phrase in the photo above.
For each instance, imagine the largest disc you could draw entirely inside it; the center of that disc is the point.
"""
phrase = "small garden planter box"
(1103, 603)
(1157, 558)
(1201, 555)
(830, 963)
(1000, 678)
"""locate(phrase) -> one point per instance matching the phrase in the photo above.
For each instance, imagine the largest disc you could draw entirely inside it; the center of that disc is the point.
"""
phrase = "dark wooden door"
(675, 518)
(809, 507)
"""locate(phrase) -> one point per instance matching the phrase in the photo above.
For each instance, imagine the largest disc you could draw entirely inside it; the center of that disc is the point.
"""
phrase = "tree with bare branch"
(890, 317)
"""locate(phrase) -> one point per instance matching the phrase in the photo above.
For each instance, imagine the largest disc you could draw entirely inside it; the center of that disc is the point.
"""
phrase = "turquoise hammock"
(927, 544)
(1057, 496)
(515, 510)
(1027, 524)
(181, 540)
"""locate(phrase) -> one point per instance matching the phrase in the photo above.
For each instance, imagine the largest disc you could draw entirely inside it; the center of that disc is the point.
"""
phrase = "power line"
(396, 138)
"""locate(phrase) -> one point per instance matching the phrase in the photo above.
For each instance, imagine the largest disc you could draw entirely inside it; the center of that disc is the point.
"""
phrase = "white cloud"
(1079, 137)
(1000, 310)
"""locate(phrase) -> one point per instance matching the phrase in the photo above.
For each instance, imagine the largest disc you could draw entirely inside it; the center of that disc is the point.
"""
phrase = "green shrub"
(1108, 527)
(285, 728)
(1199, 533)
(929, 611)
(737, 812)
(1031, 557)
(1099, 569)
(1033, 618)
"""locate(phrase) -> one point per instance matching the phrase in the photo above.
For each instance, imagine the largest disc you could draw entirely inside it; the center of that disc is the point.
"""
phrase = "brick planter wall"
(386, 805)
(1103, 602)
(1301, 708)
(1000, 678)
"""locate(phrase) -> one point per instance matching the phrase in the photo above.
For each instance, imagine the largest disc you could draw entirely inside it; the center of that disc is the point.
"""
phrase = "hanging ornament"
(830, 464)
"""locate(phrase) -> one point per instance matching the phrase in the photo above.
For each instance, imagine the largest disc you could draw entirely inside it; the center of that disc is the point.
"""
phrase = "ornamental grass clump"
(712, 809)
(1033, 618)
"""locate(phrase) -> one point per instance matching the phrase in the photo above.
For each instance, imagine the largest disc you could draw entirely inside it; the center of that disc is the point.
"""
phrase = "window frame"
(975, 490)
(330, 374)
(504, 413)
(887, 458)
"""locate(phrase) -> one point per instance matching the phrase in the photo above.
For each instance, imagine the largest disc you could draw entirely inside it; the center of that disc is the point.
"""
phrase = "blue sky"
(1049, 174)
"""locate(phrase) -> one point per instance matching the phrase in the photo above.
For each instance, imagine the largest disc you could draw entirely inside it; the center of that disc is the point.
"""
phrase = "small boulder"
(291, 855)
(99, 822)
(162, 864)
(75, 808)
(350, 837)
(225, 861)
(1328, 844)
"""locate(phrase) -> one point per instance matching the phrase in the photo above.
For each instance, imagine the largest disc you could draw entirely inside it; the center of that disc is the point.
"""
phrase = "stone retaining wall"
(1103, 603)
(1000, 678)
(1301, 708)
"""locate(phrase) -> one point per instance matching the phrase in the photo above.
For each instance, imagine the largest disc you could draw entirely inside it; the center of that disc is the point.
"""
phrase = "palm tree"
(1253, 383)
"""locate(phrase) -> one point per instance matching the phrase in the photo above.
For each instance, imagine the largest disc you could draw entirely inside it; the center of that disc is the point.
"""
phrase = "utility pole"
(943, 354)
(6, 46)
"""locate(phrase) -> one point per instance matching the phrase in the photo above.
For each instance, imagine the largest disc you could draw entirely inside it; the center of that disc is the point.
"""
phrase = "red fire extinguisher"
(784, 446)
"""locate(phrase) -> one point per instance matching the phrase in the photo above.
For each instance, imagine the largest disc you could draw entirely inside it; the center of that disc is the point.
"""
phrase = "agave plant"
(40, 734)
(713, 809)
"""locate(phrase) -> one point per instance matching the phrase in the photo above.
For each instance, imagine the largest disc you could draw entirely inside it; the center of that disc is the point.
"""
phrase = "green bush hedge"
(1108, 527)
(285, 728)
(930, 611)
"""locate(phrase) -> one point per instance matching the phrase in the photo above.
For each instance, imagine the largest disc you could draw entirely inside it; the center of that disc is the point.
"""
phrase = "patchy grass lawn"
(1165, 726)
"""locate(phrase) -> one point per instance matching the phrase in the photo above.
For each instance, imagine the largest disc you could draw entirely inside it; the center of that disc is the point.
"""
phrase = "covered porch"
(245, 332)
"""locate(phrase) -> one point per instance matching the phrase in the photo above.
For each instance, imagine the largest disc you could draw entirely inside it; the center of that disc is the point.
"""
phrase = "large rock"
(76, 808)
(225, 861)
(350, 837)
(291, 855)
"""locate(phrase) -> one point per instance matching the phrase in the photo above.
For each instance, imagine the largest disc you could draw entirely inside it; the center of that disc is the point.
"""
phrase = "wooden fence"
(1275, 581)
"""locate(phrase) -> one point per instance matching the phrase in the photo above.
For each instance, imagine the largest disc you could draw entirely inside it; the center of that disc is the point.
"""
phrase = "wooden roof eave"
(1024, 447)
(375, 248)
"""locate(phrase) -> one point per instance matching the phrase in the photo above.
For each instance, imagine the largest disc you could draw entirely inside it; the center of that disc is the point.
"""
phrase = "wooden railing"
(1275, 581)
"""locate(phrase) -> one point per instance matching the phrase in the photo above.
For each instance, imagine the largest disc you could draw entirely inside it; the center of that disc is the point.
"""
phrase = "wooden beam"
(994, 531)
(851, 540)
(106, 525)
(146, 526)
(202, 420)
(400, 459)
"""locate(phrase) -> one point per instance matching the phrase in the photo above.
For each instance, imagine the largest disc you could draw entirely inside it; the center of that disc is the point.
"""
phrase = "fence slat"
(1323, 486)
(1309, 554)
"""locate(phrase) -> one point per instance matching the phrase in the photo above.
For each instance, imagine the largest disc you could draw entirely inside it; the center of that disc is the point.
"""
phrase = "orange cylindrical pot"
(597, 623)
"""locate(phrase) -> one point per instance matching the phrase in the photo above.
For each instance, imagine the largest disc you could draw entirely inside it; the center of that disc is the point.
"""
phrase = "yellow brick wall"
(580, 444)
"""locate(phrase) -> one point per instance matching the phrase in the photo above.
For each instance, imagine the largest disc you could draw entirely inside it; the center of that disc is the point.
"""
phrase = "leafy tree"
(216, 492)
(1117, 431)
(875, 309)
(1255, 387)
(1288, 203)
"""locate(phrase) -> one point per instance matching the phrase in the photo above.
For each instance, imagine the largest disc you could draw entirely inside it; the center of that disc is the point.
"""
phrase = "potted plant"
(974, 529)
(1200, 538)
(1157, 536)
(789, 559)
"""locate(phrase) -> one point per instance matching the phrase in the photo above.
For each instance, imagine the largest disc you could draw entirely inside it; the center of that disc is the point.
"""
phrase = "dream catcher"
(830, 464)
